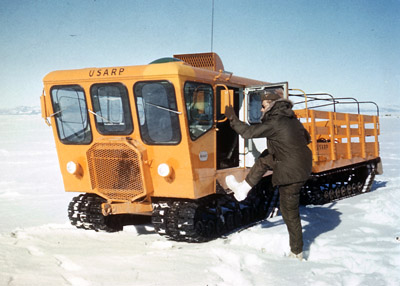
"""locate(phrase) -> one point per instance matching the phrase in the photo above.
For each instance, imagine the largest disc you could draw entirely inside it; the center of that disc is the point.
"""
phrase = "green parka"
(287, 142)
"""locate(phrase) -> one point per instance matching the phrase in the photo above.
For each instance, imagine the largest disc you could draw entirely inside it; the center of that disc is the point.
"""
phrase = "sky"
(346, 48)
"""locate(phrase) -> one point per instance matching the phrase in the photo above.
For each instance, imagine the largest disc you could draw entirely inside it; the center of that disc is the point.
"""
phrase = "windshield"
(199, 107)
(70, 112)
(157, 112)
(111, 109)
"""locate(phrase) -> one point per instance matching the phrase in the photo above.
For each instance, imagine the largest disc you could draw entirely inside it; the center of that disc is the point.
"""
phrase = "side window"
(254, 112)
(199, 107)
(254, 97)
(111, 108)
(70, 112)
(157, 112)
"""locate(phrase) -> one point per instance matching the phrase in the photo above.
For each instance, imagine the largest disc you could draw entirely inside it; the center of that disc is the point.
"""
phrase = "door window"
(199, 108)
(254, 97)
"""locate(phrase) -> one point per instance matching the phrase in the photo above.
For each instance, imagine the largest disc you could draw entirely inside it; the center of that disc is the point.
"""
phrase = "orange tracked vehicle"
(153, 140)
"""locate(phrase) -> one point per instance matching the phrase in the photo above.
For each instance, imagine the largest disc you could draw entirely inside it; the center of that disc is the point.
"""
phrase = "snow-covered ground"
(350, 242)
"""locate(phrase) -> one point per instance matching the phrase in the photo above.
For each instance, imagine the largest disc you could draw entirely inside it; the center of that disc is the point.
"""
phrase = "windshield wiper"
(105, 119)
(164, 108)
(57, 112)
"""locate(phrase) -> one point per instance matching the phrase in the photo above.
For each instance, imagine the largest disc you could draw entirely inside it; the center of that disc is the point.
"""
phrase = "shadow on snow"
(316, 220)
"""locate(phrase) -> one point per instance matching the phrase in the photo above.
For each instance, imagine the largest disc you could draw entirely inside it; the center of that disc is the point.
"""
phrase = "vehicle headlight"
(164, 170)
(72, 167)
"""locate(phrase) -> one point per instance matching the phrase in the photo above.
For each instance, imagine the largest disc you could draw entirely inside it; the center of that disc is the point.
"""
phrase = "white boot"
(298, 256)
(240, 190)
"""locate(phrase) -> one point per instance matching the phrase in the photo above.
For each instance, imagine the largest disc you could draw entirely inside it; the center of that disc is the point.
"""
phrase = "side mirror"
(43, 108)
(43, 105)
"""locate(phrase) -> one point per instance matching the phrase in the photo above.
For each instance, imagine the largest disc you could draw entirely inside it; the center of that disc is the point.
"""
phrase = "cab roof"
(207, 66)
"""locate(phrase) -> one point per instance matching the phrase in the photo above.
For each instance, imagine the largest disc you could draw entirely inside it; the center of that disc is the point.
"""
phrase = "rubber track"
(216, 215)
(84, 211)
(338, 184)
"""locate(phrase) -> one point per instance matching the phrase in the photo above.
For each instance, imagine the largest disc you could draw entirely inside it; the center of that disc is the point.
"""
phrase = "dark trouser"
(289, 207)
(264, 163)
(289, 200)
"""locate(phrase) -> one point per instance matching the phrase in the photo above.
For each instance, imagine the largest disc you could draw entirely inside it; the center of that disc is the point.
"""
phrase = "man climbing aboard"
(287, 155)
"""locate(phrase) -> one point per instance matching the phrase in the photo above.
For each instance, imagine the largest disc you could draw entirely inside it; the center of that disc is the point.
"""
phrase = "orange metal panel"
(340, 116)
(354, 132)
(369, 118)
(313, 135)
(352, 117)
(322, 131)
(341, 132)
(332, 131)
(322, 123)
(321, 114)
(370, 132)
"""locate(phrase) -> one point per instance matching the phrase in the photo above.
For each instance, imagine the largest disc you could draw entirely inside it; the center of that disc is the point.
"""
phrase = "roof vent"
(209, 61)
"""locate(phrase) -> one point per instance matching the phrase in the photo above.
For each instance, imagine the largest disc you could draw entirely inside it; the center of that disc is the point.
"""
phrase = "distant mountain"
(20, 110)
(390, 109)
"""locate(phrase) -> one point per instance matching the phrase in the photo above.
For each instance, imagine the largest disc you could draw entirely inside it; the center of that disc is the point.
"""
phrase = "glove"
(230, 112)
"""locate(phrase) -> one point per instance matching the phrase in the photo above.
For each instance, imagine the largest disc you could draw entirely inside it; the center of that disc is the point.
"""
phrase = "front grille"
(115, 171)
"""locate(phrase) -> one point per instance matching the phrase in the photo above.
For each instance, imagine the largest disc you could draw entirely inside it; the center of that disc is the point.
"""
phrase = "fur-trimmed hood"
(282, 107)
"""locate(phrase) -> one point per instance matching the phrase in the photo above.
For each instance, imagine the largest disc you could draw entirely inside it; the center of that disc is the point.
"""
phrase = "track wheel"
(238, 218)
(230, 221)
(354, 188)
(349, 189)
(326, 196)
(343, 191)
(219, 226)
(331, 194)
(200, 227)
(338, 191)
(359, 187)
(210, 229)
(261, 210)
(246, 218)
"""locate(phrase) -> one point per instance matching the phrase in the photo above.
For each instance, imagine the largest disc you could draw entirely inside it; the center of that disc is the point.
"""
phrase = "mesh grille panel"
(205, 61)
(115, 170)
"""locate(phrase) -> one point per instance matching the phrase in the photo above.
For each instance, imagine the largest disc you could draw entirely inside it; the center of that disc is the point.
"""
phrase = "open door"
(227, 138)
(251, 149)
(234, 154)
